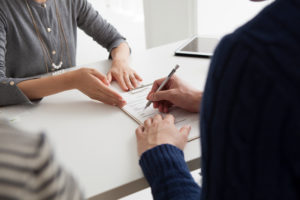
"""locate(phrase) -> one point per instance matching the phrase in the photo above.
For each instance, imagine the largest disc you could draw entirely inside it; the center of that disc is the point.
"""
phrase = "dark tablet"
(198, 46)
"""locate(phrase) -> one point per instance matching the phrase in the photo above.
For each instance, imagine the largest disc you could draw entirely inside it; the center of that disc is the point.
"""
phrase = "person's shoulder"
(8, 3)
(228, 46)
(3, 7)
(19, 141)
(7, 6)
(271, 25)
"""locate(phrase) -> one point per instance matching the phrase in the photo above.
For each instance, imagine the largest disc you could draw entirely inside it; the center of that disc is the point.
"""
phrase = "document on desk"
(136, 101)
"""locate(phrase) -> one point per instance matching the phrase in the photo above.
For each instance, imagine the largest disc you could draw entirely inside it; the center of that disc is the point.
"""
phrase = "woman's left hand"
(127, 78)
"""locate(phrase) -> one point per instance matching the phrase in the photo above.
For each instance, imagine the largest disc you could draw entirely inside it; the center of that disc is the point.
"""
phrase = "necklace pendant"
(57, 66)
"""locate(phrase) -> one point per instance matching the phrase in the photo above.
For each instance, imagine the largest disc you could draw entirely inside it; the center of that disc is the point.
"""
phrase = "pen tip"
(176, 67)
(146, 106)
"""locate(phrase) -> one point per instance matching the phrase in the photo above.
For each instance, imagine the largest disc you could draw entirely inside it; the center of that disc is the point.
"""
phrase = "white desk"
(97, 142)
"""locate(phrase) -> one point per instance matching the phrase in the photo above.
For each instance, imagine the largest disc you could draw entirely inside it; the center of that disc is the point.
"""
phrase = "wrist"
(165, 155)
(121, 53)
(70, 79)
(197, 100)
(117, 62)
(195, 97)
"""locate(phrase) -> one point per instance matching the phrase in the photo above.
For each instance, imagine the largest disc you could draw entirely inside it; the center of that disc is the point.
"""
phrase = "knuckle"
(154, 96)
(157, 116)
(186, 136)
(155, 122)
(90, 70)
(134, 80)
(119, 76)
(83, 70)
(137, 129)
(169, 116)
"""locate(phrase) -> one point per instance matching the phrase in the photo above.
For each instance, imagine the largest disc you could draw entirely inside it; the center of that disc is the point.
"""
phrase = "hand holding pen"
(174, 93)
(162, 84)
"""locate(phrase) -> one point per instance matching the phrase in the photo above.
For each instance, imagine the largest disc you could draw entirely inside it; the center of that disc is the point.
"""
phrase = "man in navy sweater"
(250, 129)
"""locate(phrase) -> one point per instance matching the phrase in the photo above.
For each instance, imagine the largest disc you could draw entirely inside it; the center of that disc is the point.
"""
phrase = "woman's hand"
(95, 85)
(127, 78)
(120, 71)
(157, 131)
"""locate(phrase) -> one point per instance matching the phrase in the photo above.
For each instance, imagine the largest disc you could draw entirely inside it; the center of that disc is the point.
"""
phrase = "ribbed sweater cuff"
(159, 161)
(115, 44)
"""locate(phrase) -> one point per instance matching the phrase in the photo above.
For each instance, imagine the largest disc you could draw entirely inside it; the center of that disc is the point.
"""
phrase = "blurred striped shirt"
(28, 169)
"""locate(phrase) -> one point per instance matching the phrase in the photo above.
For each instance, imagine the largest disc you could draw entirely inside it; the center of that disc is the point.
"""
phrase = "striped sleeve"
(29, 170)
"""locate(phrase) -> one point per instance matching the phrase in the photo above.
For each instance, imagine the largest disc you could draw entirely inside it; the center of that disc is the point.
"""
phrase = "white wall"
(218, 17)
(169, 21)
(215, 18)
(126, 16)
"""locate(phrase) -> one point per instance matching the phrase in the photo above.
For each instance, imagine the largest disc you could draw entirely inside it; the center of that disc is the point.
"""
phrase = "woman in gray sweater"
(39, 36)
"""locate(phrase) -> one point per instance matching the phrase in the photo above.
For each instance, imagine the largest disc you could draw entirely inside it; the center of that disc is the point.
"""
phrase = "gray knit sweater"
(21, 53)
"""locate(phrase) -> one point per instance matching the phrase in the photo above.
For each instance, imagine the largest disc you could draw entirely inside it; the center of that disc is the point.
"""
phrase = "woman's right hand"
(95, 85)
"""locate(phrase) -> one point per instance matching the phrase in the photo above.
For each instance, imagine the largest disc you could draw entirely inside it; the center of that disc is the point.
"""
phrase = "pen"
(163, 84)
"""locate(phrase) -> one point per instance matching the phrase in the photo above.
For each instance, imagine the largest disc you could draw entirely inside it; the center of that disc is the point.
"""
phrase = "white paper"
(136, 102)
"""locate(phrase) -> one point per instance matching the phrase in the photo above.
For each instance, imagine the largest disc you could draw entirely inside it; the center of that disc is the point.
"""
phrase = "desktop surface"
(96, 142)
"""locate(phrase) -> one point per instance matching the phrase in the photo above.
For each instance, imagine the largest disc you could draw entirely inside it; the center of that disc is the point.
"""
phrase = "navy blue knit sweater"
(250, 120)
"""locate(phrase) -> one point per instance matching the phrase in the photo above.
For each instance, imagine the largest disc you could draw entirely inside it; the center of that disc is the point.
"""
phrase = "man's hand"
(177, 93)
(157, 131)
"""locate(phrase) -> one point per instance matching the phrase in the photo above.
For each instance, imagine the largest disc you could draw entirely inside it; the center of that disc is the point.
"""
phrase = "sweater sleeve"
(92, 23)
(168, 175)
(9, 92)
(30, 170)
